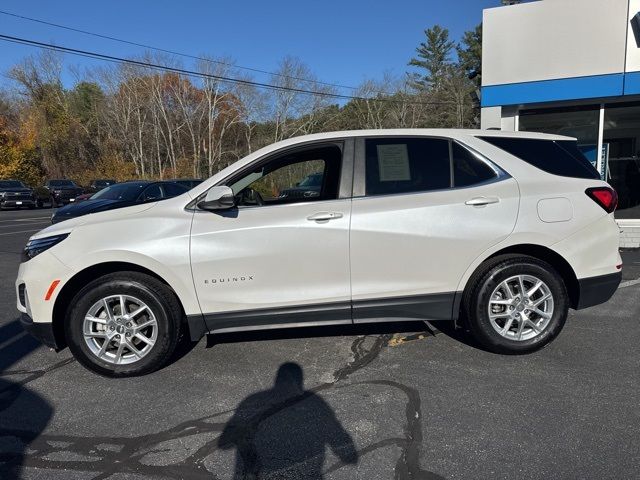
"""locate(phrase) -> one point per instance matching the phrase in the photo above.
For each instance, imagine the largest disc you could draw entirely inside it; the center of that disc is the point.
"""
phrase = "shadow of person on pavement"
(23, 413)
(283, 432)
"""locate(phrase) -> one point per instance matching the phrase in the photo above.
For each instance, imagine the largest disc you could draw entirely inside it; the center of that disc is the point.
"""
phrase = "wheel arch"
(543, 253)
(83, 277)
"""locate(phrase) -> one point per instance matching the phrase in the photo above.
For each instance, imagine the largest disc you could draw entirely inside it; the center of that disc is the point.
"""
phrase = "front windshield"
(62, 183)
(120, 191)
(11, 184)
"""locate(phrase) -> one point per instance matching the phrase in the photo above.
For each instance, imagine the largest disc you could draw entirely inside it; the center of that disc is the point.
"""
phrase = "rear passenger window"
(556, 157)
(468, 169)
(405, 165)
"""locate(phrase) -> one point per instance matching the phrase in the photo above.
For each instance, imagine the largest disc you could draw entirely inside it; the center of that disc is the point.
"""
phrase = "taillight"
(606, 197)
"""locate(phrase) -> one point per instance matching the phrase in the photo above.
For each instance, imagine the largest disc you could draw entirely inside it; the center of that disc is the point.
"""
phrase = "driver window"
(303, 176)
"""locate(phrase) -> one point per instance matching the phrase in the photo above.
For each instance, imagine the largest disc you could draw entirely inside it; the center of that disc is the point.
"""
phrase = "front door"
(282, 256)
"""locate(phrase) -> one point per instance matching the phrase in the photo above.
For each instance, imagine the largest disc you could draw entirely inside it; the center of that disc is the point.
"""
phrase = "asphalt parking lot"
(390, 401)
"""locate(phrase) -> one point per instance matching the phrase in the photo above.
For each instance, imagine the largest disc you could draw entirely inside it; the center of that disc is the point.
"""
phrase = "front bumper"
(597, 290)
(40, 331)
(13, 203)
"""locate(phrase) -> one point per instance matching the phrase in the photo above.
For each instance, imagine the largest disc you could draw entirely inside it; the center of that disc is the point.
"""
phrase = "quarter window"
(468, 169)
(405, 165)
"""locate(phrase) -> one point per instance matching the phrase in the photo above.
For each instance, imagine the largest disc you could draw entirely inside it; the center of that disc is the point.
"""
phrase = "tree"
(470, 54)
(434, 58)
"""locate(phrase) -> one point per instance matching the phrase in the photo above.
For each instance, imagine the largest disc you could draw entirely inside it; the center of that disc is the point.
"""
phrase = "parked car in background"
(499, 232)
(120, 195)
(94, 187)
(15, 194)
(308, 187)
(62, 191)
(189, 183)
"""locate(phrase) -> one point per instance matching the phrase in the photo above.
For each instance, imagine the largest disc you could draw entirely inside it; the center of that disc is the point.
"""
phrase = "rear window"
(558, 157)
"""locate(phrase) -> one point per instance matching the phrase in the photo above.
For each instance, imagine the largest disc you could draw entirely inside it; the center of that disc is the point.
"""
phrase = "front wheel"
(124, 324)
(516, 304)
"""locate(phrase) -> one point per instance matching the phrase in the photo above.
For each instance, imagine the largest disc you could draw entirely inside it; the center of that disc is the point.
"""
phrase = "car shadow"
(23, 413)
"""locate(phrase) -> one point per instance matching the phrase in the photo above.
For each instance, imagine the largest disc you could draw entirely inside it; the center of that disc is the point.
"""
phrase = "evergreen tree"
(470, 54)
(433, 58)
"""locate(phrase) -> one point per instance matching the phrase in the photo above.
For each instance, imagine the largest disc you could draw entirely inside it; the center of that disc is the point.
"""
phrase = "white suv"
(499, 232)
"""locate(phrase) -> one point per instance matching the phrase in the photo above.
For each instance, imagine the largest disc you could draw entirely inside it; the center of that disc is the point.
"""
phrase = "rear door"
(426, 207)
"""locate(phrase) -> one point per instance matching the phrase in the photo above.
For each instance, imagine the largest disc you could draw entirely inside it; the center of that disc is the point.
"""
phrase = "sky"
(342, 42)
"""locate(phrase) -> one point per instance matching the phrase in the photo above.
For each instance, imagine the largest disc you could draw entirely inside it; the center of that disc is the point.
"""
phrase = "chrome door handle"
(482, 201)
(324, 216)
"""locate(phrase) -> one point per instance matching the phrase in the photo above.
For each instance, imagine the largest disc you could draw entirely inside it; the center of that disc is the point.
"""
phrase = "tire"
(39, 203)
(496, 332)
(136, 289)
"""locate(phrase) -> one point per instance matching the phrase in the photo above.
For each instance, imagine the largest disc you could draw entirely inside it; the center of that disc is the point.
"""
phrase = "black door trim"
(284, 317)
(435, 306)
(438, 306)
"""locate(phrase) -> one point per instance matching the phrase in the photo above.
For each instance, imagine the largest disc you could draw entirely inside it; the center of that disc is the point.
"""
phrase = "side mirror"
(218, 198)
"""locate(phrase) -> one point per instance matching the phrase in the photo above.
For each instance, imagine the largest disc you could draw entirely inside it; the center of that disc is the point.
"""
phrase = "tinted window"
(404, 165)
(120, 191)
(303, 176)
(468, 169)
(153, 192)
(173, 190)
(11, 184)
(61, 183)
(556, 157)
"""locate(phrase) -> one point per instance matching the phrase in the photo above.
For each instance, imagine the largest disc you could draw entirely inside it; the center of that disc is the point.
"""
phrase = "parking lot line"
(21, 231)
(26, 224)
(27, 219)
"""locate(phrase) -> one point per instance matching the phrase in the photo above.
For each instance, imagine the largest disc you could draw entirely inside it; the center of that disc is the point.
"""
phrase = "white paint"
(554, 39)
(633, 49)
(552, 210)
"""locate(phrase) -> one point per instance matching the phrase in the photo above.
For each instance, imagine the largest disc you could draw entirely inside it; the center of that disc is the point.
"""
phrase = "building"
(571, 67)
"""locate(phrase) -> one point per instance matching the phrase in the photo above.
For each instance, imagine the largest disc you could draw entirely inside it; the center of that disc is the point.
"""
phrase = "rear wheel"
(516, 304)
(124, 324)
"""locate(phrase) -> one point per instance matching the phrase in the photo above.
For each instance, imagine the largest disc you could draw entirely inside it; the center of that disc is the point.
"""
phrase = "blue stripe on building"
(632, 83)
(611, 85)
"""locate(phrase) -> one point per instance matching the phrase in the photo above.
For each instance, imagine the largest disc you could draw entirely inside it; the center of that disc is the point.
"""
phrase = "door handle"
(482, 201)
(324, 216)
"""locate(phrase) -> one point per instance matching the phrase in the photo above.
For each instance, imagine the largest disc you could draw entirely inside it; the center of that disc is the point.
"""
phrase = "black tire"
(475, 302)
(157, 296)
(39, 204)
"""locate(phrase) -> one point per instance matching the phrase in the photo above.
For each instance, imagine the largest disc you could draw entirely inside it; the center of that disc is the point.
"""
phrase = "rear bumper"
(597, 290)
(41, 331)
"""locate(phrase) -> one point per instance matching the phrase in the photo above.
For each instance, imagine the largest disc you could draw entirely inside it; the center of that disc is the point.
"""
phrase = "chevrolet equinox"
(498, 232)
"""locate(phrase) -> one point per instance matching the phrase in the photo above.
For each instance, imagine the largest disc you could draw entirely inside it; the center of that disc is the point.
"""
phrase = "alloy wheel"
(521, 307)
(120, 329)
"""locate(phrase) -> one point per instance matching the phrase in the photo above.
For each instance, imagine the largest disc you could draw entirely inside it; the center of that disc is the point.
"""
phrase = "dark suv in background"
(63, 192)
(15, 194)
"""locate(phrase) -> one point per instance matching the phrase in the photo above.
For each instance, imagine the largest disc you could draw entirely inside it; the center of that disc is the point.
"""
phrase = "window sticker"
(393, 163)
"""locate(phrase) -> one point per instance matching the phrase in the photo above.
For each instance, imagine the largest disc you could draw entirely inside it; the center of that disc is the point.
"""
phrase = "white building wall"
(554, 39)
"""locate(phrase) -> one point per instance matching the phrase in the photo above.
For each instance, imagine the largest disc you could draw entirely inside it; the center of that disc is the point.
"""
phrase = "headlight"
(2, 194)
(39, 245)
